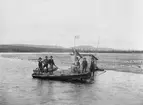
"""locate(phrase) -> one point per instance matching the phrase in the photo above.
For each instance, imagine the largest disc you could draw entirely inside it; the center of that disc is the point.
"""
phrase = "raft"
(64, 76)
(70, 74)
(79, 77)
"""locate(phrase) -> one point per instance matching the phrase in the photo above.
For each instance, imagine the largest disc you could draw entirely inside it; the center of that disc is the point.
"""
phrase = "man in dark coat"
(52, 64)
(46, 61)
(40, 64)
(93, 67)
(84, 65)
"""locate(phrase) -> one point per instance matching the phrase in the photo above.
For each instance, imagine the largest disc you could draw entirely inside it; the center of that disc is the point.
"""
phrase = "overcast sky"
(118, 23)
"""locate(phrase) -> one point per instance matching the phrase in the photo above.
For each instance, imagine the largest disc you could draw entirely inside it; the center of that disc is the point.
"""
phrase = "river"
(17, 87)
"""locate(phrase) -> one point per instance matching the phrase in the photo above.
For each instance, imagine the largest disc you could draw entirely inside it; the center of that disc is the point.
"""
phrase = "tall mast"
(75, 37)
(98, 43)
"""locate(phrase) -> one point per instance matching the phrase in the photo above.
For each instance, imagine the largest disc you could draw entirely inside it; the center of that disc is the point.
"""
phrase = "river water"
(17, 87)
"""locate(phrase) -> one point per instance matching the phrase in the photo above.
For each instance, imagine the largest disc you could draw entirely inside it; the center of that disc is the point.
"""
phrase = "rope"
(101, 73)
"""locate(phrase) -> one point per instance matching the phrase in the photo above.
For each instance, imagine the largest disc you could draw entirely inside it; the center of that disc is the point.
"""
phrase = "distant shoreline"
(116, 62)
(140, 52)
(21, 48)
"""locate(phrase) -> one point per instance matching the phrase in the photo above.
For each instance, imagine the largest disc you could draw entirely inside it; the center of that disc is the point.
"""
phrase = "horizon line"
(76, 46)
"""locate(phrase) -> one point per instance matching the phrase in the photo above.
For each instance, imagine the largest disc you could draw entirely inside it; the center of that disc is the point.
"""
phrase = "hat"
(40, 58)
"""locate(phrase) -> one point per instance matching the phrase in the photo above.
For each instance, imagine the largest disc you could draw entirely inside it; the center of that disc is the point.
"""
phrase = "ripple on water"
(17, 87)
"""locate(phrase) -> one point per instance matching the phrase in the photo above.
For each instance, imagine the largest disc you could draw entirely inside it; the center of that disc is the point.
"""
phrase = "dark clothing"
(84, 69)
(92, 66)
(84, 66)
(46, 61)
(51, 62)
(46, 65)
(78, 64)
(40, 64)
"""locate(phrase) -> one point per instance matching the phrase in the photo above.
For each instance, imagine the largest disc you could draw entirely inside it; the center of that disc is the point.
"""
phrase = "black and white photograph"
(71, 52)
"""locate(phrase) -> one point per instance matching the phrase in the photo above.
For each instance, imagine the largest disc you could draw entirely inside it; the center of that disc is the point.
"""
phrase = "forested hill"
(51, 48)
(31, 48)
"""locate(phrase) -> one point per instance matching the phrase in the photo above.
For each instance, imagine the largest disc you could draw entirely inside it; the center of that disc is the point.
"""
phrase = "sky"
(114, 23)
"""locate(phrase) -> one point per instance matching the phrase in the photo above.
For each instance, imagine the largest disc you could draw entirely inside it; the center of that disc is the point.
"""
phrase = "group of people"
(46, 63)
(49, 64)
(84, 64)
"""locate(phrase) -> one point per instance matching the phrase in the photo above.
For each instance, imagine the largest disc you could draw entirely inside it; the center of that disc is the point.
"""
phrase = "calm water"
(17, 87)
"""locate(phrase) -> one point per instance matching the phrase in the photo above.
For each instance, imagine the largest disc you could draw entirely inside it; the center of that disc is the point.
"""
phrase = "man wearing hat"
(84, 65)
(52, 63)
(40, 63)
(46, 61)
(93, 66)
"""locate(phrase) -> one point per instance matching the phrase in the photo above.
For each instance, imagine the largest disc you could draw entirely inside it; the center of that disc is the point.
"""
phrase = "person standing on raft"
(46, 62)
(52, 64)
(84, 65)
(93, 67)
(40, 64)
(76, 65)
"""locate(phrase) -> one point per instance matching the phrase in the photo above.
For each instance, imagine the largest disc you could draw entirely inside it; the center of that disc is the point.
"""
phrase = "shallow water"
(17, 87)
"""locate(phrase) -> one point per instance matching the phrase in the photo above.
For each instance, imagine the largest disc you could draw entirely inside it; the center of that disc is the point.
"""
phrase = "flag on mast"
(75, 52)
(77, 37)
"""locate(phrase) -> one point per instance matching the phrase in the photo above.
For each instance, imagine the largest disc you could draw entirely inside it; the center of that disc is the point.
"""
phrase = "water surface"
(17, 87)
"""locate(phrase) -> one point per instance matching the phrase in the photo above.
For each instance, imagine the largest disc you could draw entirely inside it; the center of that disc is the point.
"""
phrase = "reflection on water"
(17, 87)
